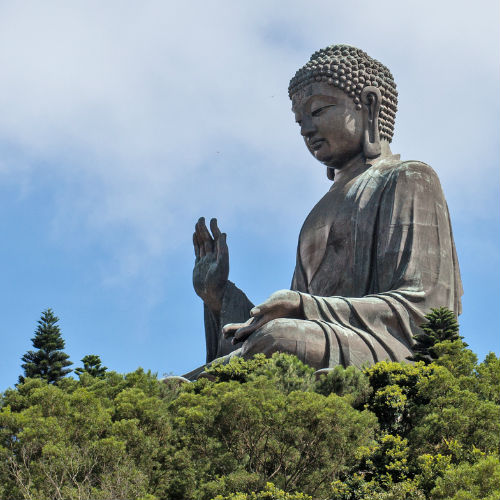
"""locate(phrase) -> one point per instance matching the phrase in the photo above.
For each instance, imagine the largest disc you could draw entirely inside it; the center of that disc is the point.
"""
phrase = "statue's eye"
(318, 111)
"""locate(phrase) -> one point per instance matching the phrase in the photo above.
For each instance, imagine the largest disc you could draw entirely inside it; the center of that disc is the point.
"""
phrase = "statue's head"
(345, 103)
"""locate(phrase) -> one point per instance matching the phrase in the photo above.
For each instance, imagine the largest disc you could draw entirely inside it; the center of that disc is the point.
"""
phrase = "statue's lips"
(316, 144)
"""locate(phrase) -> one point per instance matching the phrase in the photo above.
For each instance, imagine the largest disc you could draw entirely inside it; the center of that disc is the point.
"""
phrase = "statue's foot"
(175, 379)
(323, 371)
(198, 372)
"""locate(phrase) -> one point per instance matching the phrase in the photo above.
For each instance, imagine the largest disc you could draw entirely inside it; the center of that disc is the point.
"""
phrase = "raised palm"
(211, 268)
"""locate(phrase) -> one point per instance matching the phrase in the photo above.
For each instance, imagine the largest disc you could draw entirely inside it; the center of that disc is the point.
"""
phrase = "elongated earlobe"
(371, 97)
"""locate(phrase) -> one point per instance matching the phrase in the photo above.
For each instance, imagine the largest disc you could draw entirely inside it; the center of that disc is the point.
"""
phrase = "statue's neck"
(360, 163)
(385, 149)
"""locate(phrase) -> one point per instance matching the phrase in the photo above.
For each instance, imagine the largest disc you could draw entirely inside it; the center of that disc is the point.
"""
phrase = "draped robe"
(375, 254)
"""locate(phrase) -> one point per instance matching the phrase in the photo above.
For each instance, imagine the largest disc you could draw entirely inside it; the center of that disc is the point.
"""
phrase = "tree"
(441, 325)
(346, 381)
(49, 362)
(238, 436)
(465, 480)
(92, 366)
(287, 371)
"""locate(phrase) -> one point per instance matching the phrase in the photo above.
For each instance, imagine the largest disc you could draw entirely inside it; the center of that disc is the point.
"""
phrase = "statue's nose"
(307, 127)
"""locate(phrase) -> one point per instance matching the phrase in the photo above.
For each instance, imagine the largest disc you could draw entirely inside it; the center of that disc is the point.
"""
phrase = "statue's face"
(331, 125)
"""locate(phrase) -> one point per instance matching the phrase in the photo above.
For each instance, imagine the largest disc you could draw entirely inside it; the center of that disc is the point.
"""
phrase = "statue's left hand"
(281, 304)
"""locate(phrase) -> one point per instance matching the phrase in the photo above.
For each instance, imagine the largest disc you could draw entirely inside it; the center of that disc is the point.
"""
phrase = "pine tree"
(441, 325)
(92, 366)
(49, 362)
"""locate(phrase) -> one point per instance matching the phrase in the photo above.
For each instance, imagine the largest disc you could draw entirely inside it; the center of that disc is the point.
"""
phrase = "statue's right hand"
(211, 268)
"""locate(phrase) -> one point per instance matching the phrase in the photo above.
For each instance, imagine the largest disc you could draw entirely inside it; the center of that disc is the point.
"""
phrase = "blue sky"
(122, 122)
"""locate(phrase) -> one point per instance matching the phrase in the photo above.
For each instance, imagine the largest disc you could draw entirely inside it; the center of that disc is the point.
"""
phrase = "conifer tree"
(92, 365)
(441, 325)
(49, 362)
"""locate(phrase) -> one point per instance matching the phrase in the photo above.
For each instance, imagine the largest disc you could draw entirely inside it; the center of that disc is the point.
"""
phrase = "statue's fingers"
(199, 239)
(244, 332)
(255, 311)
(229, 329)
(198, 230)
(196, 246)
(221, 246)
(278, 301)
(206, 239)
(202, 231)
(215, 229)
(265, 308)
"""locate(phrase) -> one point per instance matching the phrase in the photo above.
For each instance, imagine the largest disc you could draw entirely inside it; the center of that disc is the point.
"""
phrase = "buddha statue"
(374, 255)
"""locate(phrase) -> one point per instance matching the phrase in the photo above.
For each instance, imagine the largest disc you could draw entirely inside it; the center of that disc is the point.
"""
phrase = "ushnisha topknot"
(350, 69)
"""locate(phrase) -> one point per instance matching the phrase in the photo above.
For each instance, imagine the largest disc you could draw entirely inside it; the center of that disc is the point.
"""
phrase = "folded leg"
(304, 339)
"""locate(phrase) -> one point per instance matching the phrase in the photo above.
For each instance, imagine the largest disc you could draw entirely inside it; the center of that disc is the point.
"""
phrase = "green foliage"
(130, 436)
(359, 489)
(454, 421)
(439, 415)
(487, 381)
(270, 492)
(394, 431)
(395, 398)
(455, 357)
(350, 381)
(96, 438)
(441, 325)
(49, 362)
(287, 371)
(236, 369)
(300, 440)
(430, 468)
(388, 459)
(290, 374)
(382, 471)
(465, 481)
(92, 365)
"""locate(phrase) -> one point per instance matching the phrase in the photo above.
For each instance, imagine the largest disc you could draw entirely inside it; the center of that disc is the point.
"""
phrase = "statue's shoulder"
(416, 167)
(413, 170)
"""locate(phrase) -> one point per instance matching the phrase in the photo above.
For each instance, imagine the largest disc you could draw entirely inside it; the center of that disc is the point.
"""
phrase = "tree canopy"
(259, 429)
(264, 428)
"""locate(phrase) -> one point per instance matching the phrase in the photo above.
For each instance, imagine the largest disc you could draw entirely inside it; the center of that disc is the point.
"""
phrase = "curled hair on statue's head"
(351, 70)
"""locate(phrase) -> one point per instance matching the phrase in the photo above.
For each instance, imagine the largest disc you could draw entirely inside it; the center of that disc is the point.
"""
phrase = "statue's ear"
(371, 98)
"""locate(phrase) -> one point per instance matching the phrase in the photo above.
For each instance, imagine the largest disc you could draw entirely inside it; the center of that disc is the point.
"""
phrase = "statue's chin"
(325, 159)
(331, 160)
(331, 163)
(339, 163)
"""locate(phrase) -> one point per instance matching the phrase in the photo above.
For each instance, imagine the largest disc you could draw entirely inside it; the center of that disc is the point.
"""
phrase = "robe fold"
(375, 254)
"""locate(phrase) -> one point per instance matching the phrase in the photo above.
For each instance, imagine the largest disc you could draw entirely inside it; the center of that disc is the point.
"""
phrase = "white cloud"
(147, 115)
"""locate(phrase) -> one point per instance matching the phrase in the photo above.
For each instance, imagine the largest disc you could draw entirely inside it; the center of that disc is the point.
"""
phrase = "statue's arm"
(235, 309)
(414, 269)
(223, 302)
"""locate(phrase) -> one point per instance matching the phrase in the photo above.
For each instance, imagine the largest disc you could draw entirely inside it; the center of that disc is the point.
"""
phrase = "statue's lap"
(302, 338)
